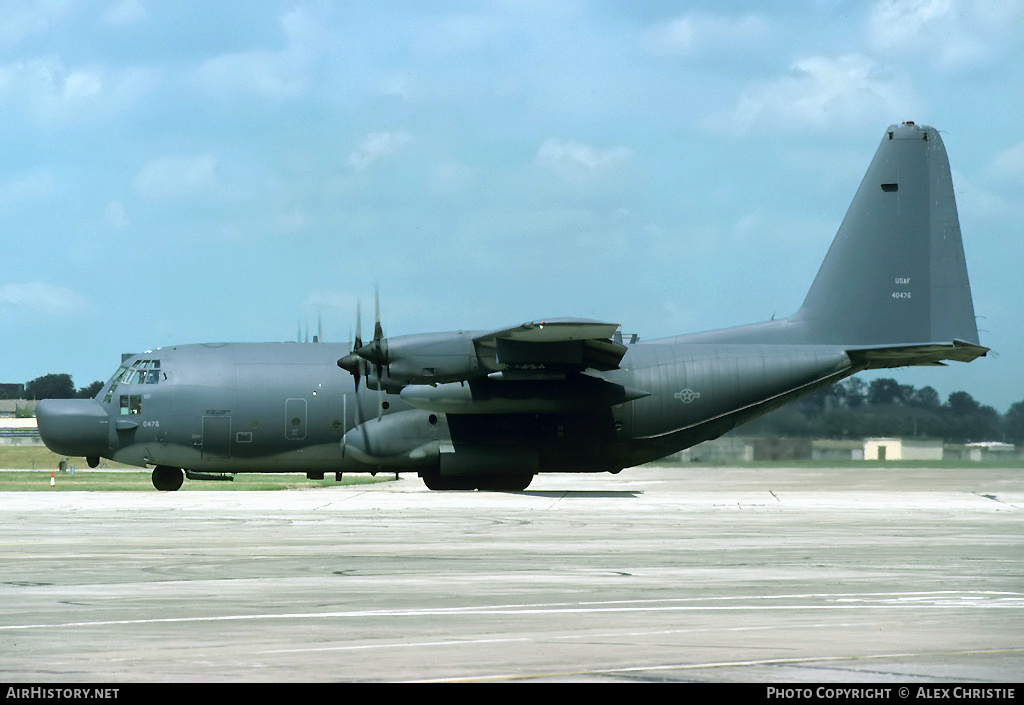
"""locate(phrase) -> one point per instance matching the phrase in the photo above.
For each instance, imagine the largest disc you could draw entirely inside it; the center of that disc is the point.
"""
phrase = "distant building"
(902, 449)
(17, 431)
(10, 408)
(721, 450)
(991, 450)
(824, 449)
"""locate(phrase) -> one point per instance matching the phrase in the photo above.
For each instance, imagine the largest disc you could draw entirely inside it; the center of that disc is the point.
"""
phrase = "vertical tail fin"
(895, 274)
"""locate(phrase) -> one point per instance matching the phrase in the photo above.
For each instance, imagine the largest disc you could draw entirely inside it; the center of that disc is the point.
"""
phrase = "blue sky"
(190, 172)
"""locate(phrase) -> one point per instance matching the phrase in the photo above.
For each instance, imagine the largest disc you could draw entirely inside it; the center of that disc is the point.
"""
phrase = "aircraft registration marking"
(902, 281)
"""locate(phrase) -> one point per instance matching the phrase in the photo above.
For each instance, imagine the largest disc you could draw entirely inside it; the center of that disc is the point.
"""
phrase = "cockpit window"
(139, 372)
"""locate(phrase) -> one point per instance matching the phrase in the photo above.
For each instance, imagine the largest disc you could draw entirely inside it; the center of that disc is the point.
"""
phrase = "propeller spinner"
(353, 362)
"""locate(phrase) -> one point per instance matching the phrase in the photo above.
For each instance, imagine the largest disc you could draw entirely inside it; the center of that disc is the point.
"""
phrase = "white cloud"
(459, 34)
(698, 31)
(115, 215)
(974, 202)
(263, 73)
(1009, 163)
(278, 74)
(52, 93)
(574, 161)
(30, 187)
(376, 146)
(168, 178)
(19, 20)
(822, 92)
(953, 32)
(82, 85)
(41, 298)
(124, 12)
(325, 298)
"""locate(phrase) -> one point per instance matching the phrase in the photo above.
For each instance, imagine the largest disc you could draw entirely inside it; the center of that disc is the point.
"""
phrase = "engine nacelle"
(407, 439)
(432, 358)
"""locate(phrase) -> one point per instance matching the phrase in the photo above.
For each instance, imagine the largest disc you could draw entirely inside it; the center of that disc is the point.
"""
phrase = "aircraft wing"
(553, 330)
(542, 367)
(556, 343)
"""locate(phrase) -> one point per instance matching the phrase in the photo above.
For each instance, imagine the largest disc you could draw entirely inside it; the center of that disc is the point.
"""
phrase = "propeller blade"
(353, 362)
(358, 342)
(378, 332)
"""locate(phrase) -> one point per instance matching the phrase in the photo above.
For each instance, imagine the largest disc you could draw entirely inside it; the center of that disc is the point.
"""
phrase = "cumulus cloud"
(20, 21)
(115, 215)
(45, 80)
(279, 74)
(376, 146)
(575, 161)
(169, 178)
(820, 92)
(24, 188)
(953, 32)
(1009, 163)
(124, 12)
(41, 298)
(52, 93)
(325, 298)
(698, 31)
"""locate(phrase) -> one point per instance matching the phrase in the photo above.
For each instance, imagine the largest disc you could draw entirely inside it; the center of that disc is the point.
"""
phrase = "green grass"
(42, 458)
(92, 480)
(25, 479)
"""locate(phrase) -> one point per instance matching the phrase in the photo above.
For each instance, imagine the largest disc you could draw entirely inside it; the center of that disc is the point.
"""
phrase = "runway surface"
(679, 574)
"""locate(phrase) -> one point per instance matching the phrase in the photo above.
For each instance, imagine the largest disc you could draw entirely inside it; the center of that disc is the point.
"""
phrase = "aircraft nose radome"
(75, 427)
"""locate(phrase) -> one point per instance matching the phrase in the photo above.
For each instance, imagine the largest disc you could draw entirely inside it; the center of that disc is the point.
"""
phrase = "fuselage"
(287, 407)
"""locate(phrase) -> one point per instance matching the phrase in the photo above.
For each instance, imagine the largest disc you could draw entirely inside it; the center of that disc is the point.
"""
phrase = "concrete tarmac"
(778, 575)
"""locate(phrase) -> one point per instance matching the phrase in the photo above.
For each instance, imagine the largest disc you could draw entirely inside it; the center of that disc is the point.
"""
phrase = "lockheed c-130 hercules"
(491, 409)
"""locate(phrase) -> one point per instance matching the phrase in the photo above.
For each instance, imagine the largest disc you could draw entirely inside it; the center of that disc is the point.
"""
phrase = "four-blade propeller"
(375, 352)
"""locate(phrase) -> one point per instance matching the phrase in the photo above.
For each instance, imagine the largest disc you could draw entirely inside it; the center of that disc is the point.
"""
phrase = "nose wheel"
(167, 479)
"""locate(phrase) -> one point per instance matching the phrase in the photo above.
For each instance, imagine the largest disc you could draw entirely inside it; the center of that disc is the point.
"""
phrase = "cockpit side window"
(131, 404)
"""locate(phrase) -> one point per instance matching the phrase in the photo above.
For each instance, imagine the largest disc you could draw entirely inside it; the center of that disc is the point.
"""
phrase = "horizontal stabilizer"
(908, 355)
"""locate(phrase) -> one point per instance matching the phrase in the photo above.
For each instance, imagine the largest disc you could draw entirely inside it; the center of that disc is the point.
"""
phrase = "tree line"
(853, 409)
(848, 410)
(53, 386)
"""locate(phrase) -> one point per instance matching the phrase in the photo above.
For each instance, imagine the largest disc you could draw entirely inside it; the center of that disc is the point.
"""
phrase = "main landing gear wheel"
(167, 479)
(501, 483)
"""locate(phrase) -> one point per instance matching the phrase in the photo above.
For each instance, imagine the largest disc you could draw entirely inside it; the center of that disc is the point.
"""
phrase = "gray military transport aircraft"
(490, 409)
